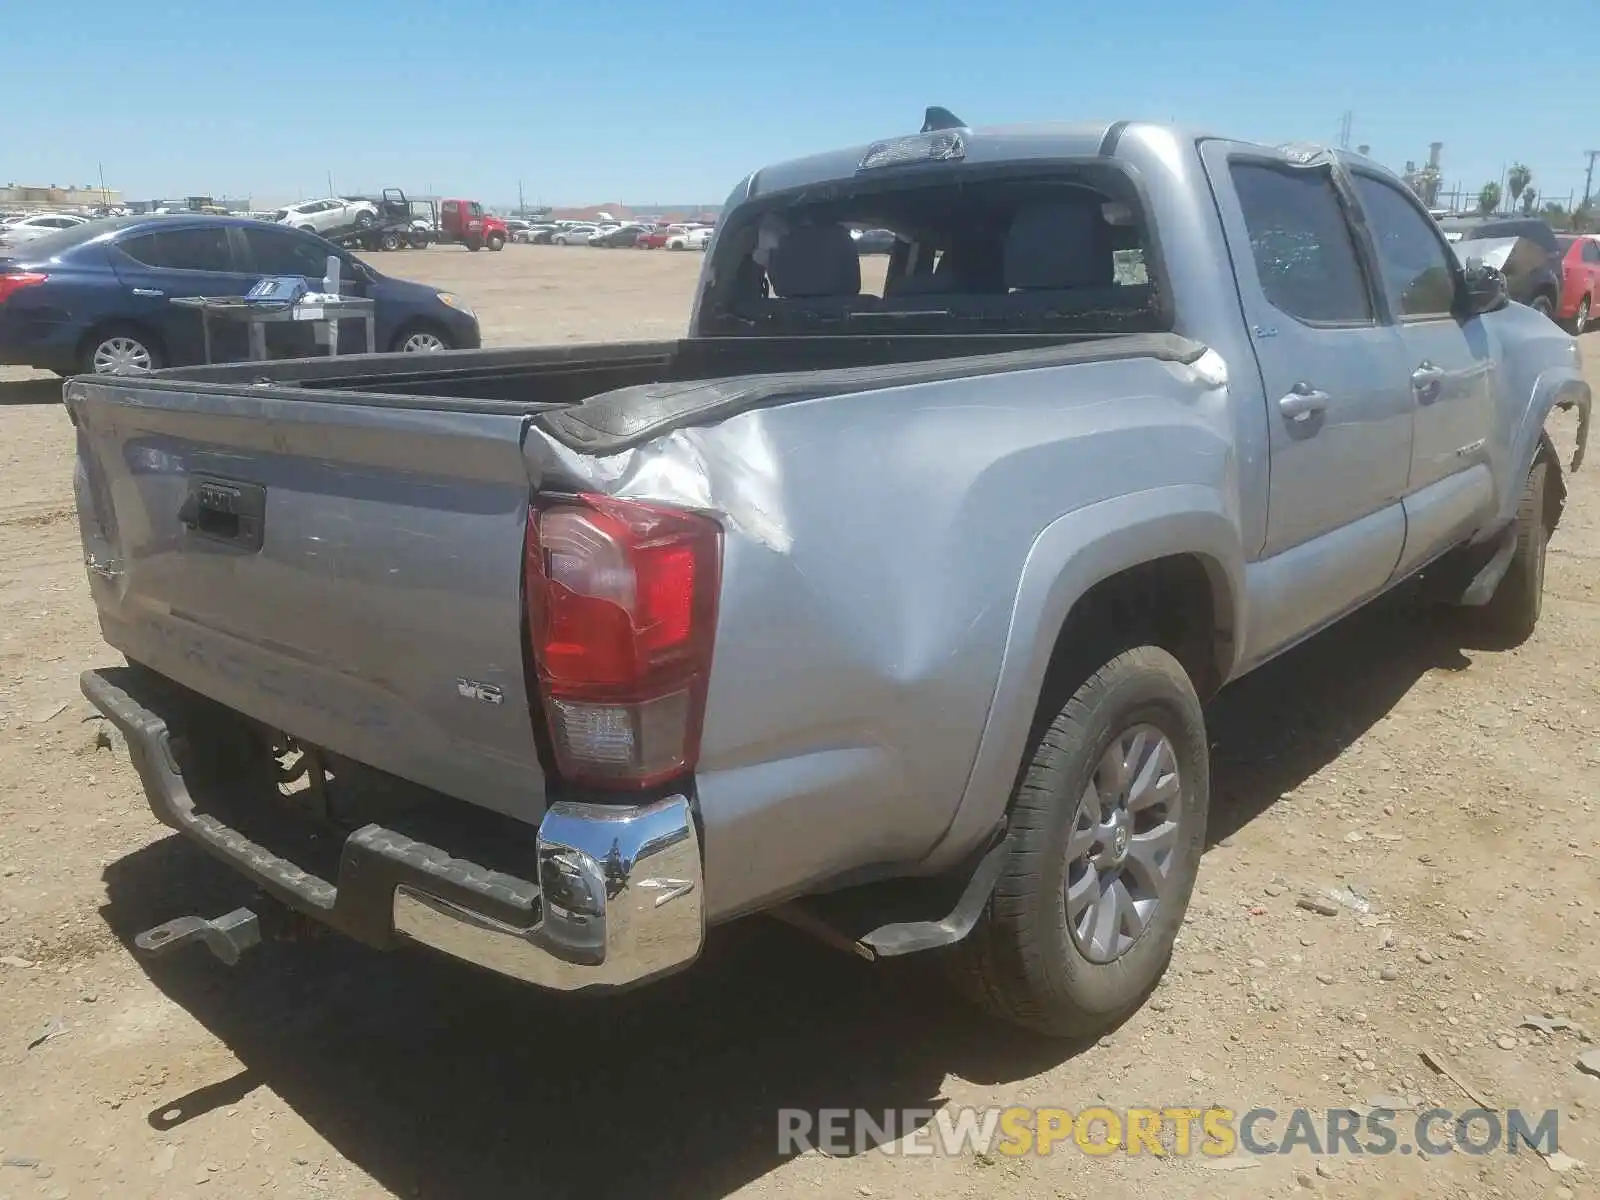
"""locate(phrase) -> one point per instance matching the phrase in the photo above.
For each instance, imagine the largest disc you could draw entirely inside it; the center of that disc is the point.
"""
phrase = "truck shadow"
(440, 1081)
(1283, 723)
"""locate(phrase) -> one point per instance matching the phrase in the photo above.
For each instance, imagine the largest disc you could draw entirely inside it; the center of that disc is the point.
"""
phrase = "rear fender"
(1072, 555)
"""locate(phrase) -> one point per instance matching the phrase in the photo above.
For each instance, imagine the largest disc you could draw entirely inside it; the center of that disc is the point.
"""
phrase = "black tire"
(389, 241)
(1023, 962)
(419, 241)
(474, 244)
(496, 242)
(1543, 304)
(365, 220)
(1513, 610)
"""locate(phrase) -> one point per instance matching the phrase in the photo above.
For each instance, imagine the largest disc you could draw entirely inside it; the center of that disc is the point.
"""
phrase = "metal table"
(324, 311)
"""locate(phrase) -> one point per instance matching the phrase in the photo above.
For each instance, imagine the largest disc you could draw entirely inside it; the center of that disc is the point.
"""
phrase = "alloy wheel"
(1122, 841)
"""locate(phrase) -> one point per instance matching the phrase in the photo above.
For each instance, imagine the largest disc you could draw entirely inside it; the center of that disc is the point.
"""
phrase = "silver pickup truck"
(888, 608)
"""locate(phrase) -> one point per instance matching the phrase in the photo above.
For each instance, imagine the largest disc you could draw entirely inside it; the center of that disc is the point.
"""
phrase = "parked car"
(326, 216)
(540, 235)
(97, 298)
(831, 609)
(694, 237)
(657, 237)
(1580, 280)
(873, 241)
(621, 237)
(17, 233)
(573, 235)
(1524, 249)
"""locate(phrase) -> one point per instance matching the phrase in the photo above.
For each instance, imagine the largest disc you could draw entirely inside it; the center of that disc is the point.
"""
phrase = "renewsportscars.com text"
(1176, 1131)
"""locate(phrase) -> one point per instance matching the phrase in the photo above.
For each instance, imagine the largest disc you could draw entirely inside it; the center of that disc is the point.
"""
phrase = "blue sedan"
(97, 299)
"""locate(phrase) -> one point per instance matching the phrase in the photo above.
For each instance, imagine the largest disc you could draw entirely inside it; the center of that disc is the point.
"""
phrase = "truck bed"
(601, 398)
(333, 547)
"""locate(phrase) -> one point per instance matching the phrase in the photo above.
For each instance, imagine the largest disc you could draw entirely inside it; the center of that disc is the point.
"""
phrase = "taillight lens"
(17, 280)
(622, 609)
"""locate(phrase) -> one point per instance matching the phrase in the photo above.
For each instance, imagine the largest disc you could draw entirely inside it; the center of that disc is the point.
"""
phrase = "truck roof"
(994, 144)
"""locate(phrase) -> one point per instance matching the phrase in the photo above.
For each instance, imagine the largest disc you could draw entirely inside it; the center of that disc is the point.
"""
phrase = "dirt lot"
(1446, 793)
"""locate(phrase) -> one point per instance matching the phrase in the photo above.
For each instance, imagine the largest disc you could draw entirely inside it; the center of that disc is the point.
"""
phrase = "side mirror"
(1485, 288)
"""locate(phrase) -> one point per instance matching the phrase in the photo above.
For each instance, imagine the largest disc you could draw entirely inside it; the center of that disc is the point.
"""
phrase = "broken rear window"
(1065, 253)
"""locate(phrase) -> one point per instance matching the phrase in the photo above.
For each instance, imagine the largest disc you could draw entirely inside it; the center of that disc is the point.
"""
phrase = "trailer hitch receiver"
(227, 936)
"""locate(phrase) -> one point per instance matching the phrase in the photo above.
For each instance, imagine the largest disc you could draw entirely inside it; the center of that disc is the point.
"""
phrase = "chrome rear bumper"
(616, 896)
(623, 902)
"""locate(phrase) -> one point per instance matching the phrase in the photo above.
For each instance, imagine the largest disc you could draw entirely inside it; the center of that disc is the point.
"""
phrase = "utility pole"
(1588, 178)
(330, 183)
(1345, 122)
(521, 209)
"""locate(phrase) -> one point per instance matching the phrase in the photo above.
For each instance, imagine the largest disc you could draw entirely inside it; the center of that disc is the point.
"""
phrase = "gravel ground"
(1435, 801)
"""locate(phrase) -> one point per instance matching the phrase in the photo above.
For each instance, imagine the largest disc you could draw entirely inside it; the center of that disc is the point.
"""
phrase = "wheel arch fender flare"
(1562, 388)
(1068, 558)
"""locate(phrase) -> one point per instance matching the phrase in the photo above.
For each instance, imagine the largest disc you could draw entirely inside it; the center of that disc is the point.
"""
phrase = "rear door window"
(1304, 254)
(273, 252)
(193, 249)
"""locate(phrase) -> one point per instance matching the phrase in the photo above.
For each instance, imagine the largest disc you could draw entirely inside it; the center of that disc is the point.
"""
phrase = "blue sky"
(640, 102)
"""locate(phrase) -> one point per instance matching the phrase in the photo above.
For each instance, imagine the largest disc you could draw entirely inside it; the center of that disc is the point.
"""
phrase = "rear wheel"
(1543, 304)
(365, 220)
(121, 350)
(389, 241)
(474, 244)
(419, 241)
(1107, 826)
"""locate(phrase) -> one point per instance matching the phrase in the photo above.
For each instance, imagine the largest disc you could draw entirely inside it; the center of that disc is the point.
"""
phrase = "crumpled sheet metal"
(729, 469)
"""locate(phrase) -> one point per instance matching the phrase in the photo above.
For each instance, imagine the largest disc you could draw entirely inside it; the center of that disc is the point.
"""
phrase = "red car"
(1580, 280)
(657, 237)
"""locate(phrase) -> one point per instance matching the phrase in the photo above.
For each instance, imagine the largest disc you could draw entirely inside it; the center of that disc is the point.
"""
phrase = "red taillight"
(622, 609)
(17, 280)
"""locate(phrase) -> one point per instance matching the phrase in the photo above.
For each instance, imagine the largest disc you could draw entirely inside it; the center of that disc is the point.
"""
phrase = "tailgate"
(346, 572)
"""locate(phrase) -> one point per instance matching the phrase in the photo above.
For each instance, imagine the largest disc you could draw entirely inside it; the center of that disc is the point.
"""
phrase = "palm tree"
(1489, 198)
(1517, 181)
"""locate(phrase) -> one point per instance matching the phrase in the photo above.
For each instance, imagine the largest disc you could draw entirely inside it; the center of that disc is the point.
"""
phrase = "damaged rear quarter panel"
(873, 547)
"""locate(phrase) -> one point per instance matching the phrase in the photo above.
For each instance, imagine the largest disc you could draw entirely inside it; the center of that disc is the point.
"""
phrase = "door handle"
(1303, 402)
(148, 292)
(1426, 381)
